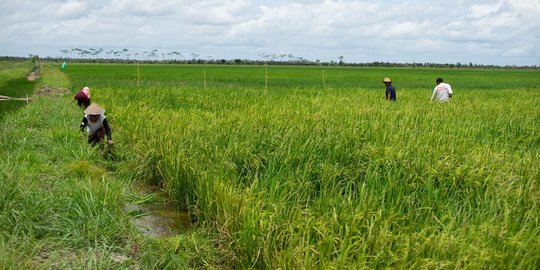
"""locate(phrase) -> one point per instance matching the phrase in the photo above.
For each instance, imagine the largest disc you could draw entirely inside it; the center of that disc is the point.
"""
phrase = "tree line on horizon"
(92, 55)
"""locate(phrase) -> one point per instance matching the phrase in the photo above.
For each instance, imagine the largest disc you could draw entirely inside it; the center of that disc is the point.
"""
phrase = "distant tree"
(98, 52)
(76, 51)
(34, 58)
(108, 53)
(94, 52)
(291, 57)
(125, 52)
(264, 56)
(117, 54)
(66, 52)
(83, 52)
(178, 55)
(152, 54)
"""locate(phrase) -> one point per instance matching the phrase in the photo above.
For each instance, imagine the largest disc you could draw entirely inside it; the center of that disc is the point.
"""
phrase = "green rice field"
(282, 167)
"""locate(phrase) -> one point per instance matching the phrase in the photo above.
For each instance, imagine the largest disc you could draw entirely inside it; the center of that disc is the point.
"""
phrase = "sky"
(487, 32)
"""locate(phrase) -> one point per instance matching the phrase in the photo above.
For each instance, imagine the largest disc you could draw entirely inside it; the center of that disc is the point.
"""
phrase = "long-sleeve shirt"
(93, 127)
(82, 95)
(390, 93)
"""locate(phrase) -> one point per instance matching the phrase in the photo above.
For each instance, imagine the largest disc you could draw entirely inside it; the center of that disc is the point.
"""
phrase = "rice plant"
(299, 176)
(304, 175)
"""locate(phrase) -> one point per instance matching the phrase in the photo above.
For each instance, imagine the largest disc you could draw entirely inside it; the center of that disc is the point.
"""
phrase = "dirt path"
(51, 91)
(32, 76)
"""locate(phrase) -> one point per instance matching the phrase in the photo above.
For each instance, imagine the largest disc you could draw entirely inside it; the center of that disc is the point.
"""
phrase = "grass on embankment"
(62, 204)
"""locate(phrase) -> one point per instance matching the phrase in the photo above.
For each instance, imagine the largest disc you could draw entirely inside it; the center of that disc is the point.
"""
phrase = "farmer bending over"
(96, 124)
(83, 97)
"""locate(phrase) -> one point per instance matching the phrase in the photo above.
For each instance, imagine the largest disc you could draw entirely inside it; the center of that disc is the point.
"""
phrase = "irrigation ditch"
(156, 215)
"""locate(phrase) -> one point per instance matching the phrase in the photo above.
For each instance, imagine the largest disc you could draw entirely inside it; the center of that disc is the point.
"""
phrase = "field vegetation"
(311, 170)
(13, 83)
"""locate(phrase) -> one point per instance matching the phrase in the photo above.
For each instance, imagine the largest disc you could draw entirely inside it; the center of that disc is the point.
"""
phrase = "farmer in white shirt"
(443, 91)
(96, 124)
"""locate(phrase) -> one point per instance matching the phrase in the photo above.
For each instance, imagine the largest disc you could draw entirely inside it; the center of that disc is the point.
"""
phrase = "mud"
(50, 91)
(160, 218)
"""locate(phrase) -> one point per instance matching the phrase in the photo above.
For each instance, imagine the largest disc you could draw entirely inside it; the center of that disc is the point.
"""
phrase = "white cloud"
(478, 11)
(141, 8)
(70, 10)
(500, 31)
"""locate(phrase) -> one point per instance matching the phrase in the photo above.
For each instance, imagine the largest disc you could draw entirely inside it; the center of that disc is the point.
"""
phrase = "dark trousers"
(97, 137)
(84, 103)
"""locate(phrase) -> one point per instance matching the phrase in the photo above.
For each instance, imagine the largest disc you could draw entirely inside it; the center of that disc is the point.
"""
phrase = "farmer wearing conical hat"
(96, 124)
(390, 90)
(83, 97)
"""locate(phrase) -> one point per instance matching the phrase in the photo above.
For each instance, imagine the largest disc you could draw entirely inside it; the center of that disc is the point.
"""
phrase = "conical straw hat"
(94, 109)
(387, 80)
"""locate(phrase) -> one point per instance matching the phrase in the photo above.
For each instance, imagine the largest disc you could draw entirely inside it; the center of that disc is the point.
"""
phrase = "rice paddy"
(299, 168)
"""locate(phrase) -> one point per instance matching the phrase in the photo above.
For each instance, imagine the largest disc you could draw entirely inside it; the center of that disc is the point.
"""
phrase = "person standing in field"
(390, 90)
(83, 97)
(442, 91)
(96, 124)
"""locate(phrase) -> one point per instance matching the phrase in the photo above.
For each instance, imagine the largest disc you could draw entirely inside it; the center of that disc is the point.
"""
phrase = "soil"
(32, 76)
(49, 91)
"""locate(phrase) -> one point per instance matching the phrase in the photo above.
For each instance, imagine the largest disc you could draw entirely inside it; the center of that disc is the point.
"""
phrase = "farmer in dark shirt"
(83, 97)
(96, 124)
(390, 91)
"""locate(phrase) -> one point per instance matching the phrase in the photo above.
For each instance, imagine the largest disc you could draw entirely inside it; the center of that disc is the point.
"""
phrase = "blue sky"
(500, 32)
